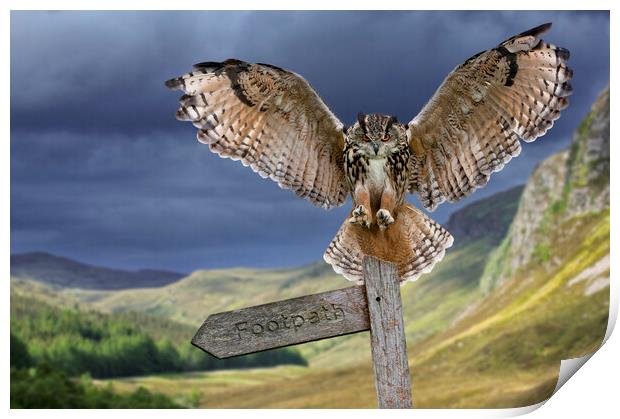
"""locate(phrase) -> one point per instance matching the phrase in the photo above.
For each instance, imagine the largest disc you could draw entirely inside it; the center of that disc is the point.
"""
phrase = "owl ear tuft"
(361, 118)
(392, 120)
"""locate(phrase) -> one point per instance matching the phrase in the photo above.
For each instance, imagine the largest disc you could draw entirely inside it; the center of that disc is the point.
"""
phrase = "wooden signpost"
(374, 306)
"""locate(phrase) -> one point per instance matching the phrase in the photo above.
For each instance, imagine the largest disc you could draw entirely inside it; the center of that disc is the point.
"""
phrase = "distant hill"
(486, 218)
(67, 273)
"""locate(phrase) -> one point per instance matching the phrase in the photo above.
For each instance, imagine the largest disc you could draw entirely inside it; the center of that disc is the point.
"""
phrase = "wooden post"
(387, 335)
(375, 306)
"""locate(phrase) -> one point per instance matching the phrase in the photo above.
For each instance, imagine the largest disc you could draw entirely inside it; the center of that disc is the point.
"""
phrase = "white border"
(593, 393)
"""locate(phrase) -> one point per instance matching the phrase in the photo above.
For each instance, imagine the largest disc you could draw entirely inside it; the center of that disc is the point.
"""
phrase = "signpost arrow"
(375, 307)
(283, 323)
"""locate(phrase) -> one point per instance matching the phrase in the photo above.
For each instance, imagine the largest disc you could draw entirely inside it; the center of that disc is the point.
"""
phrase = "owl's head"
(376, 136)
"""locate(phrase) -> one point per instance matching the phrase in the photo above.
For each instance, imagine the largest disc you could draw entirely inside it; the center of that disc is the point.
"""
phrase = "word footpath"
(284, 323)
(296, 321)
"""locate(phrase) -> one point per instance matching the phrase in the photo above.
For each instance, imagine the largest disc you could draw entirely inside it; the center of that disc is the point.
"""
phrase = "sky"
(103, 173)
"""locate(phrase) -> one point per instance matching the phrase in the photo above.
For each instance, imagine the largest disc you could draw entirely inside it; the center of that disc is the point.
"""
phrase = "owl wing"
(472, 125)
(271, 120)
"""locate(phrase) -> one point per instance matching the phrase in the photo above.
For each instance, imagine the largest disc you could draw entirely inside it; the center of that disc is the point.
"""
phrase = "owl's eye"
(366, 137)
(386, 137)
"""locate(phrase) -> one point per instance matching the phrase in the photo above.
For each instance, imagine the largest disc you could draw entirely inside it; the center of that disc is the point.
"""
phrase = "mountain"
(63, 272)
(486, 218)
(568, 184)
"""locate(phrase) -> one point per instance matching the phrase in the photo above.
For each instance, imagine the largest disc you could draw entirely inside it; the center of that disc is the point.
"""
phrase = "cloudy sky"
(102, 172)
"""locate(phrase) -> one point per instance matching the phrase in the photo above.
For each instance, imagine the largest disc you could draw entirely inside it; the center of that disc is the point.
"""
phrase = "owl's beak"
(375, 146)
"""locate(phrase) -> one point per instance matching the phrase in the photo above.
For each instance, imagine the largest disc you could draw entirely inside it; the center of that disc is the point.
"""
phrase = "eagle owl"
(274, 122)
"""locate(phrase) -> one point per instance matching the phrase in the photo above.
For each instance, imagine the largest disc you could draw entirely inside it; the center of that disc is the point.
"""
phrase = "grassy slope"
(523, 329)
(204, 292)
(27, 305)
(528, 325)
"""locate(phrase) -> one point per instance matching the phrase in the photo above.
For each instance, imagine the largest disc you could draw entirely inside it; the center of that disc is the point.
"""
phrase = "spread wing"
(271, 120)
(472, 125)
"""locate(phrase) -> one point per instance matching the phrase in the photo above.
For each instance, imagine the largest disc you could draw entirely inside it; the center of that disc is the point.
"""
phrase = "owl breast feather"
(377, 175)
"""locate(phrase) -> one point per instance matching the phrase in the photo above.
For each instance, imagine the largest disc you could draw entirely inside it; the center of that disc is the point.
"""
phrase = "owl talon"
(384, 218)
(360, 211)
(360, 216)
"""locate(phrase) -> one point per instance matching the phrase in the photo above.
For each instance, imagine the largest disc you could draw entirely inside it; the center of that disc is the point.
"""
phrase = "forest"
(119, 345)
(45, 387)
(57, 351)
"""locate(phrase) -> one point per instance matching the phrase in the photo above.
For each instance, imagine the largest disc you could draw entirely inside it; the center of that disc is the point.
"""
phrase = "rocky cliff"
(587, 185)
(566, 185)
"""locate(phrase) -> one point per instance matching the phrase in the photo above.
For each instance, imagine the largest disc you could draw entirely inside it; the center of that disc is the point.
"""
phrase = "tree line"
(108, 345)
(42, 386)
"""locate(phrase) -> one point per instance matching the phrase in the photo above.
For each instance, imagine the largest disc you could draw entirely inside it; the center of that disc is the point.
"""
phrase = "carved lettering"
(284, 324)
(314, 317)
(239, 328)
(338, 311)
(326, 310)
(298, 321)
(330, 312)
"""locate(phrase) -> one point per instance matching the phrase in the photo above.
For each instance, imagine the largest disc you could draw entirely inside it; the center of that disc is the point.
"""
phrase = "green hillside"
(569, 184)
(193, 298)
(114, 345)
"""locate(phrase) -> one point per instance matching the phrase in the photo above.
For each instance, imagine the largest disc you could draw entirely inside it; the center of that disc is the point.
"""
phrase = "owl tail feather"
(414, 243)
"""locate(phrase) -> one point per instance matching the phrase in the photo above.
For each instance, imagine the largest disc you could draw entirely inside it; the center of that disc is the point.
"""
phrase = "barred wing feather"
(471, 126)
(271, 120)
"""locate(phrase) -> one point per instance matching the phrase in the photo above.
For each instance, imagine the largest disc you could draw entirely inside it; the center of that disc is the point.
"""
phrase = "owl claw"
(360, 216)
(384, 218)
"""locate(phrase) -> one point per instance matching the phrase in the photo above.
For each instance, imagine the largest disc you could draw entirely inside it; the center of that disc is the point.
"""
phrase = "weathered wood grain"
(284, 323)
(387, 335)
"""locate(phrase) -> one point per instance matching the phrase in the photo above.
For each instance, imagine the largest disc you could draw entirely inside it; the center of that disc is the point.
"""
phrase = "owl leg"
(388, 202)
(361, 214)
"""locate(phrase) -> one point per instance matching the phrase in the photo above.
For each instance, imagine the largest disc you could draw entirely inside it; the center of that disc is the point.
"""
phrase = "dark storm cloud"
(100, 170)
